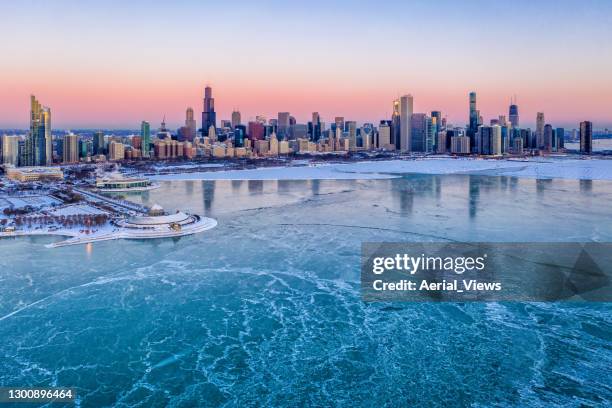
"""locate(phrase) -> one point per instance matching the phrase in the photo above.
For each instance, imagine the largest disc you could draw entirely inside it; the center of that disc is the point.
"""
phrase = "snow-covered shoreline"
(534, 168)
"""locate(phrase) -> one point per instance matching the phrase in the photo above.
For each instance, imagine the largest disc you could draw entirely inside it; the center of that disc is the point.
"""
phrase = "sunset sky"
(112, 64)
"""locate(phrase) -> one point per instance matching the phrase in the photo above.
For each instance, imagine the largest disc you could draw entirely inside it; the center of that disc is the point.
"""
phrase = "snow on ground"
(31, 200)
(76, 209)
(594, 169)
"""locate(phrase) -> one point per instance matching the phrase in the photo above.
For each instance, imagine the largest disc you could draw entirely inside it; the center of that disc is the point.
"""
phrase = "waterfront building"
(405, 109)
(539, 133)
(517, 145)
(460, 144)
(395, 124)
(418, 132)
(474, 119)
(38, 144)
(352, 134)
(549, 138)
(209, 117)
(560, 136)
(70, 148)
(496, 140)
(586, 137)
(10, 150)
(145, 136)
(33, 173)
(315, 127)
(441, 142)
(116, 182)
(273, 144)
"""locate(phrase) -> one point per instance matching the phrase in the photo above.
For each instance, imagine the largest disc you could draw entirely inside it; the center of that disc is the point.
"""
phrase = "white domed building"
(159, 223)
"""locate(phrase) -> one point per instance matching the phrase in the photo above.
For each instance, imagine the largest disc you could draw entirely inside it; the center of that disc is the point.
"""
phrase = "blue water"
(265, 310)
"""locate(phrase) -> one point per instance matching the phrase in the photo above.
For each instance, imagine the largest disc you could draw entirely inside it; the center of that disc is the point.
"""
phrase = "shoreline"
(75, 238)
(545, 167)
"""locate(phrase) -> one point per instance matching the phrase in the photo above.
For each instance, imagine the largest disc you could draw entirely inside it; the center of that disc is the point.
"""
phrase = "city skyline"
(303, 59)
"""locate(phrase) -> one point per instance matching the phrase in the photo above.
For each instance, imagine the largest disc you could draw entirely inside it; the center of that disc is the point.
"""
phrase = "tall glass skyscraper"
(209, 117)
(145, 135)
(586, 137)
(474, 118)
(38, 146)
(513, 115)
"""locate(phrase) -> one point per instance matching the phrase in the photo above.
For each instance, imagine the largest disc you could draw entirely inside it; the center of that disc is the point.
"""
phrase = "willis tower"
(209, 117)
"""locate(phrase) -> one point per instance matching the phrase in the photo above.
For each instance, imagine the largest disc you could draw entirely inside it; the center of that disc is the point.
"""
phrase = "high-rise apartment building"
(10, 150)
(395, 124)
(70, 147)
(586, 137)
(405, 110)
(145, 137)
(560, 135)
(38, 144)
(549, 138)
(539, 133)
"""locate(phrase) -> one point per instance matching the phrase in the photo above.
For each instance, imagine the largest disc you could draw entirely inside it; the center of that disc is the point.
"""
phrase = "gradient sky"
(112, 64)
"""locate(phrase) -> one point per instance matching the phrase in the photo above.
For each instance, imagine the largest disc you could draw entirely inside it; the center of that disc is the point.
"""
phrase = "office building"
(539, 133)
(405, 110)
(282, 130)
(586, 137)
(513, 115)
(98, 143)
(209, 117)
(10, 150)
(70, 149)
(236, 120)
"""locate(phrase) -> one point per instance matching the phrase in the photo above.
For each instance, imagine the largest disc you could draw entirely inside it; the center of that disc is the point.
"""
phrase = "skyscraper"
(38, 145)
(395, 124)
(560, 135)
(316, 126)
(209, 117)
(70, 148)
(539, 130)
(405, 106)
(586, 137)
(418, 123)
(513, 114)
(549, 142)
(145, 136)
(282, 125)
(339, 123)
(190, 123)
(474, 114)
(188, 132)
(352, 134)
(235, 118)
(10, 150)
(474, 119)
(98, 142)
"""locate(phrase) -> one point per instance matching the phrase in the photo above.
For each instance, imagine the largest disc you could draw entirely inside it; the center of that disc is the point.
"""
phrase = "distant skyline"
(112, 64)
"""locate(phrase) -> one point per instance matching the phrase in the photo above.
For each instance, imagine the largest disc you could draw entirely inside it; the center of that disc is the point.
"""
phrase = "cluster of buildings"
(406, 131)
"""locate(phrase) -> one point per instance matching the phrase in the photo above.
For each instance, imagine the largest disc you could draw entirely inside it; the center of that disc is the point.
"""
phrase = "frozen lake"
(265, 310)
